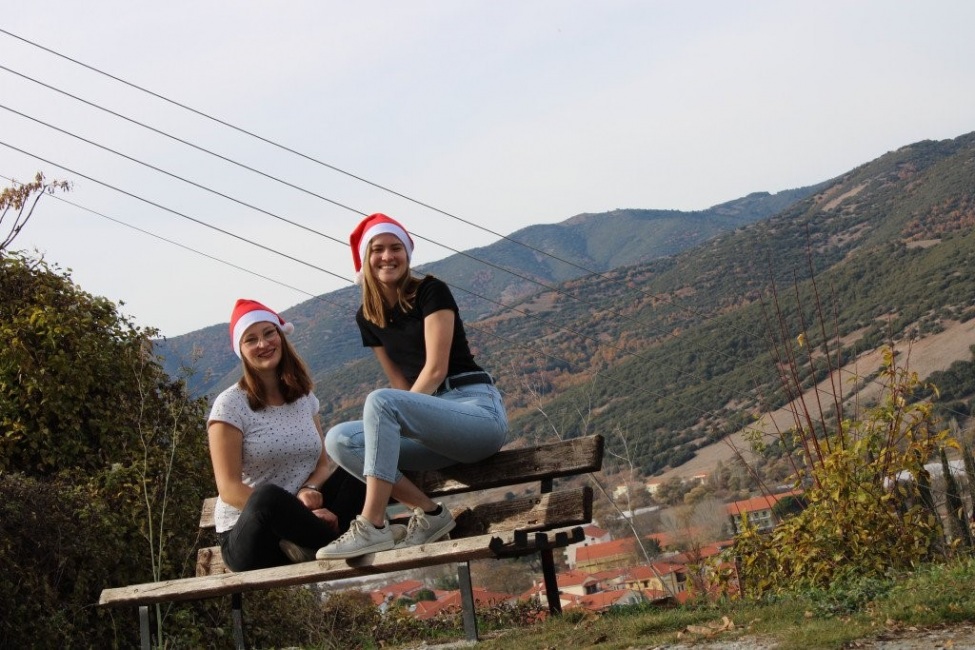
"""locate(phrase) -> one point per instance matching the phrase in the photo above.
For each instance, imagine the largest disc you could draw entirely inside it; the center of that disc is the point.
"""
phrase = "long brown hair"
(294, 380)
(372, 296)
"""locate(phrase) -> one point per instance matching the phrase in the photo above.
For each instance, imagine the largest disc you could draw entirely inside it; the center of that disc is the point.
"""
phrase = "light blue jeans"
(401, 430)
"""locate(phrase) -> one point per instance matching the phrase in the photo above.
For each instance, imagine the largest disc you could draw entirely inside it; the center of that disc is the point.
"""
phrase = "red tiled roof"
(603, 599)
(605, 549)
(593, 531)
(574, 577)
(645, 572)
(395, 590)
(758, 503)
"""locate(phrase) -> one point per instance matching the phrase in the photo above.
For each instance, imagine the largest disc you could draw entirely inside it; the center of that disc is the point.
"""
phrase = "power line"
(328, 166)
(173, 242)
(175, 212)
(507, 340)
(311, 230)
(339, 170)
(178, 139)
(175, 176)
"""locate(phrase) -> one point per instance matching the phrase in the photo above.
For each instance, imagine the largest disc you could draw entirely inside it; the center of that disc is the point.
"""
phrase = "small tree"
(91, 421)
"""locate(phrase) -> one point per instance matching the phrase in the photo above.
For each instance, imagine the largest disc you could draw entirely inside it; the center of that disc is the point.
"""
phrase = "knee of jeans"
(334, 443)
(378, 399)
(265, 496)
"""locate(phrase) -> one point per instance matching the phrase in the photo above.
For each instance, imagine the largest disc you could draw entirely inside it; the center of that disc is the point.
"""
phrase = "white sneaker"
(399, 532)
(296, 553)
(425, 528)
(361, 538)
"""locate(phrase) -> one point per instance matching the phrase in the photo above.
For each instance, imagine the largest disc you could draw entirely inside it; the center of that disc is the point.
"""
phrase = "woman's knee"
(342, 441)
(380, 400)
(266, 497)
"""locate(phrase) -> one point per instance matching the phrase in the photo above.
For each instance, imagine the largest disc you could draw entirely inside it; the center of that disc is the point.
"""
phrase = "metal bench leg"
(551, 583)
(548, 565)
(467, 599)
(237, 614)
(144, 627)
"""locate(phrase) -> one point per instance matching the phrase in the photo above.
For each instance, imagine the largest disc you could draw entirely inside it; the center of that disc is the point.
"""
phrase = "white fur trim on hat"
(257, 316)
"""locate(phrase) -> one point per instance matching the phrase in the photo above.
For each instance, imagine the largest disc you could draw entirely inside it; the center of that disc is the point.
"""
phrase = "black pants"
(272, 514)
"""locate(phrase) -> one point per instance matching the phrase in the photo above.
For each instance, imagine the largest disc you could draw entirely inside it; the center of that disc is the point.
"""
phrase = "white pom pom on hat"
(246, 313)
(375, 224)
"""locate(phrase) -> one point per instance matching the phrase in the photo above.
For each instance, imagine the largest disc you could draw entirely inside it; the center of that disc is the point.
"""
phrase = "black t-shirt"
(403, 337)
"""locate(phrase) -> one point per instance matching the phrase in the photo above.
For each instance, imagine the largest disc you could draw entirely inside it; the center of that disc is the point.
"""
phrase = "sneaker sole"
(359, 552)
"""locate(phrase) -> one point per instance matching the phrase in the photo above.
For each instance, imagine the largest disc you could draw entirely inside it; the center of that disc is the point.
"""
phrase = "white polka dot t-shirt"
(281, 444)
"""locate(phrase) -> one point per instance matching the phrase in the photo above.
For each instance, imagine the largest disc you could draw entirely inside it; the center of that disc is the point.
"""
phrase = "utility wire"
(663, 298)
(173, 242)
(175, 176)
(328, 166)
(178, 139)
(176, 212)
(473, 327)
(554, 289)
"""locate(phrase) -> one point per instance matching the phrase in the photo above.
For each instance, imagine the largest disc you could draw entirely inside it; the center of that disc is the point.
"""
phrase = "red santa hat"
(375, 224)
(246, 313)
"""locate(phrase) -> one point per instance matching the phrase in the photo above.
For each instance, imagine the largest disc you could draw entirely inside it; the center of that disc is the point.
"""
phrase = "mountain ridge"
(673, 349)
(484, 278)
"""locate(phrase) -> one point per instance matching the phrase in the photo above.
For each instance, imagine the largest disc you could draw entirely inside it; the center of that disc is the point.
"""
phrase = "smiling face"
(260, 346)
(388, 260)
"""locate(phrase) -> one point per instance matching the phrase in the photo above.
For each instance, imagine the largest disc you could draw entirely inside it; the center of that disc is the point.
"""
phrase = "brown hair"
(294, 380)
(372, 297)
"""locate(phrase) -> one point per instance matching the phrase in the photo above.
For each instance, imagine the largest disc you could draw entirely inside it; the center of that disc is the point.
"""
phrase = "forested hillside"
(489, 278)
(676, 352)
(669, 339)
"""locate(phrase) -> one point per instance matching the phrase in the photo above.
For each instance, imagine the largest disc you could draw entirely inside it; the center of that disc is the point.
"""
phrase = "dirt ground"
(954, 637)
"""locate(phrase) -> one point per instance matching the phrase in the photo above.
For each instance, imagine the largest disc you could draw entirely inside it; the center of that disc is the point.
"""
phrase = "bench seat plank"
(436, 553)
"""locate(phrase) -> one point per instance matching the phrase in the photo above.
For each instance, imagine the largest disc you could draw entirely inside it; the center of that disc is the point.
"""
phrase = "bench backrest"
(508, 467)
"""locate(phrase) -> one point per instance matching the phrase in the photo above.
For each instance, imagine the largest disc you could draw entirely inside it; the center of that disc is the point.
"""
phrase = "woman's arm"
(393, 373)
(313, 498)
(227, 457)
(438, 335)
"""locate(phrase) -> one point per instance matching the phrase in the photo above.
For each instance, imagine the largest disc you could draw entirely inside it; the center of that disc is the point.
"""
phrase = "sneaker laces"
(418, 520)
(357, 526)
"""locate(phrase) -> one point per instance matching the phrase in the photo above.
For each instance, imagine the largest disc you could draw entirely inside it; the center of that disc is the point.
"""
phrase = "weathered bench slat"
(552, 460)
(442, 552)
(562, 509)
(538, 513)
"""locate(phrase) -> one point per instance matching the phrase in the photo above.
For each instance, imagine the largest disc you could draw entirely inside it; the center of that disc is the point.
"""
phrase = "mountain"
(485, 279)
(677, 353)
(663, 331)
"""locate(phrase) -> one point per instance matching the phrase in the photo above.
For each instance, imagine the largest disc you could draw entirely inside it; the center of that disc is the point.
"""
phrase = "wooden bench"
(491, 528)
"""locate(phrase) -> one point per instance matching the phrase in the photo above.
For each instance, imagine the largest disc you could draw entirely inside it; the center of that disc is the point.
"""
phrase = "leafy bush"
(860, 521)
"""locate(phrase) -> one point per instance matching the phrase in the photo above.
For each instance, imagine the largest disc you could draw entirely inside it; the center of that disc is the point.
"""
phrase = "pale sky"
(504, 113)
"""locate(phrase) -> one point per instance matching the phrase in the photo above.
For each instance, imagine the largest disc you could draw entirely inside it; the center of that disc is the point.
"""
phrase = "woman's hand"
(311, 498)
(328, 517)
